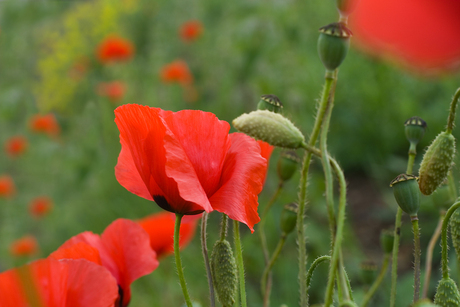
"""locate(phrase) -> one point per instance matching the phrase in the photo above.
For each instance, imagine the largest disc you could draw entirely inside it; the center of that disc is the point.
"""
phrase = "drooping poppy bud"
(333, 44)
(415, 129)
(223, 269)
(406, 192)
(289, 218)
(270, 103)
(447, 294)
(386, 241)
(270, 127)
(455, 231)
(288, 164)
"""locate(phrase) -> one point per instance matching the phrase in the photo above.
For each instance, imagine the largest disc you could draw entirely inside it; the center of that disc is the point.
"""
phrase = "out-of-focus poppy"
(40, 206)
(45, 124)
(160, 228)
(191, 30)
(7, 188)
(114, 49)
(25, 246)
(58, 283)
(176, 71)
(79, 68)
(114, 90)
(123, 248)
(16, 145)
(188, 163)
(420, 33)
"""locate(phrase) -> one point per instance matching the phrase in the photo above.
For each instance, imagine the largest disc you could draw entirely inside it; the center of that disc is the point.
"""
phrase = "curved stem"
(239, 261)
(453, 106)
(268, 267)
(272, 201)
(377, 282)
(204, 249)
(417, 252)
(445, 223)
(313, 267)
(180, 271)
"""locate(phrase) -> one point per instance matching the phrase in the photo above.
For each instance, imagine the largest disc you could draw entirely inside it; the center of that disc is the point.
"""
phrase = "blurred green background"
(247, 48)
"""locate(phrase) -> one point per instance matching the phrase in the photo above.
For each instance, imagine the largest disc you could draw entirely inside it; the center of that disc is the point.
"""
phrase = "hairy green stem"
(204, 249)
(344, 278)
(239, 261)
(313, 267)
(417, 253)
(377, 282)
(180, 271)
(223, 227)
(453, 106)
(268, 267)
(394, 260)
(445, 224)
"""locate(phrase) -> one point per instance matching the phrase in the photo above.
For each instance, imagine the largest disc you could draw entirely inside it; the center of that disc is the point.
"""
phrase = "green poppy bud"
(368, 271)
(288, 164)
(386, 241)
(454, 223)
(436, 163)
(270, 103)
(270, 127)
(223, 269)
(406, 192)
(442, 197)
(333, 44)
(447, 293)
(424, 303)
(415, 129)
(289, 218)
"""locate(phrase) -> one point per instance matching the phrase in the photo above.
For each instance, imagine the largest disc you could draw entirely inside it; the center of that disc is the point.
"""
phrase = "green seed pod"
(288, 164)
(270, 103)
(415, 129)
(436, 163)
(454, 223)
(447, 293)
(424, 303)
(386, 241)
(223, 269)
(333, 44)
(348, 304)
(270, 127)
(442, 198)
(406, 192)
(289, 218)
(368, 271)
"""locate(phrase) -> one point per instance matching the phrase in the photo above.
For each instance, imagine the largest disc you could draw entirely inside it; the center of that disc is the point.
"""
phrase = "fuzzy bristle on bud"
(436, 163)
(447, 294)
(223, 269)
(270, 103)
(270, 127)
(454, 223)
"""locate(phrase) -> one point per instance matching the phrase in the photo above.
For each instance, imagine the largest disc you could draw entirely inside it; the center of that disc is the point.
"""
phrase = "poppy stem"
(223, 227)
(265, 282)
(453, 106)
(204, 249)
(445, 223)
(377, 281)
(239, 261)
(180, 270)
(417, 253)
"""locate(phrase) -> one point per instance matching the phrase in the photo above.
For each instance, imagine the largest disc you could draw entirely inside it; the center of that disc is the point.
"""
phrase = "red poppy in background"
(40, 206)
(191, 30)
(53, 283)
(188, 163)
(421, 33)
(160, 228)
(114, 49)
(79, 68)
(114, 90)
(16, 145)
(45, 124)
(176, 71)
(7, 188)
(25, 246)
(123, 248)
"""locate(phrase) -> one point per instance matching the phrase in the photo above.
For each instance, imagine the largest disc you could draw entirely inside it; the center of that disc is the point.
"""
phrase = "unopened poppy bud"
(447, 293)
(442, 197)
(270, 103)
(368, 271)
(288, 164)
(270, 127)
(386, 241)
(455, 231)
(223, 269)
(333, 44)
(436, 163)
(424, 303)
(415, 129)
(289, 218)
(406, 192)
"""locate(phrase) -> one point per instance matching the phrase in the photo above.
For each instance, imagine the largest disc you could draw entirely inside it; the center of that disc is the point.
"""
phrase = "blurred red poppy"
(160, 228)
(16, 145)
(25, 246)
(114, 90)
(40, 206)
(176, 71)
(188, 163)
(191, 30)
(45, 124)
(123, 248)
(7, 188)
(114, 49)
(58, 283)
(420, 33)
(79, 68)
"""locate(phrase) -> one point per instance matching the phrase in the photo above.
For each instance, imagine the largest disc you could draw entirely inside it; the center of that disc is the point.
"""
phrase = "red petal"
(242, 181)
(79, 250)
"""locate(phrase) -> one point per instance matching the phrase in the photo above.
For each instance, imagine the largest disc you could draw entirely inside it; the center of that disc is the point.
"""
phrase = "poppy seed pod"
(436, 163)
(368, 271)
(289, 218)
(415, 129)
(406, 192)
(288, 164)
(386, 241)
(270, 127)
(223, 269)
(455, 231)
(270, 103)
(333, 44)
(447, 293)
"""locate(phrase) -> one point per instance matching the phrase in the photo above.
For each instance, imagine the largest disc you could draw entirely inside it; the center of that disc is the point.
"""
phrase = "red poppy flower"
(53, 283)
(160, 228)
(188, 163)
(176, 71)
(7, 188)
(421, 33)
(25, 246)
(115, 49)
(16, 145)
(40, 206)
(123, 248)
(45, 124)
(190, 30)
(114, 90)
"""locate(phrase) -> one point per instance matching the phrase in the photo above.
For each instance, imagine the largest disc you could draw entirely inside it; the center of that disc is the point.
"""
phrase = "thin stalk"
(344, 277)
(377, 282)
(272, 201)
(180, 270)
(445, 223)
(204, 249)
(313, 267)
(223, 227)
(417, 252)
(239, 261)
(453, 106)
(265, 276)
(394, 260)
